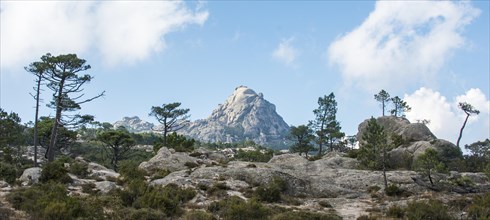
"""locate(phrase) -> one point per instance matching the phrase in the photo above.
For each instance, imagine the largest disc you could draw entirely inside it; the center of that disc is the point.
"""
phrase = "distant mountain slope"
(245, 115)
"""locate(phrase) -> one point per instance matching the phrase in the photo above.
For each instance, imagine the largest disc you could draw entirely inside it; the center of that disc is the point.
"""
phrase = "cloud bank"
(401, 42)
(119, 31)
(445, 116)
(285, 52)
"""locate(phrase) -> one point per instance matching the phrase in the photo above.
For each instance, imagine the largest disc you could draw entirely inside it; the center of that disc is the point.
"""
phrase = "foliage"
(393, 190)
(65, 137)
(61, 74)
(8, 172)
(54, 171)
(129, 171)
(384, 98)
(325, 125)
(171, 117)
(373, 148)
(468, 110)
(432, 209)
(198, 215)
(300, 215)
(479, 156)
(176, 141)
(396, 211)
(10, 129)
(235, 208)
(119, 143)
(480, 209)
(79, 168)
(399, 107)
(167, 199)
(218, 189)
(353, 153)
(272, 191)
(50, 201)
(302, 137)
(257, 155)
(429, 162)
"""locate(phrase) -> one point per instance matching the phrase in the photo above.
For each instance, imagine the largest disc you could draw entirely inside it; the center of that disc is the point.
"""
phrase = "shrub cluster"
(258, 155)
(56, 172)
(431, 209)
(50, 201)
(272, 191)
(8, 172)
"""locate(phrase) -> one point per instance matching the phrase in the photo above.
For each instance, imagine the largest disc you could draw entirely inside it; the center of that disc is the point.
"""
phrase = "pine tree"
(468, 110)
(325, 125)
(171, 117)
(302, 137)
(399, 107)
(384, 98)
(373, 148)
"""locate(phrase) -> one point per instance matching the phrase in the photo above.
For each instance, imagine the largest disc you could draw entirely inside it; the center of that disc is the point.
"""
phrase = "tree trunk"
(461, 131)
(430, 179)
(383, 106)
(384, 168)
(54, 133)
(36, 120)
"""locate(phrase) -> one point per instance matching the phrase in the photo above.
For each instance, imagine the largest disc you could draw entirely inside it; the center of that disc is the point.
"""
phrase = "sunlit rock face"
(245, 115)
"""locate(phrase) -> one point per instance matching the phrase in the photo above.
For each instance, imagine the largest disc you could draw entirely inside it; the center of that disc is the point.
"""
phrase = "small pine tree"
(428, 163)
(373, 148)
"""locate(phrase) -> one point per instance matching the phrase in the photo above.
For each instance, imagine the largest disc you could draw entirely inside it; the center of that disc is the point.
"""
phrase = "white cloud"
(401, 42)
(119, 31)
(445, 116)
(285, 52)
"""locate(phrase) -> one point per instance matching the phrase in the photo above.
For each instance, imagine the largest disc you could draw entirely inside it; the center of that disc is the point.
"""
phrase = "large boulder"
(410, 132)
(98, 171)
(30, 176)
(168, 159)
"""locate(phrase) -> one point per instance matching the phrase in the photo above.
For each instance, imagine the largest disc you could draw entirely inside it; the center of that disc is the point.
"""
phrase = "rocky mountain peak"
(134, 124)
(245, 115)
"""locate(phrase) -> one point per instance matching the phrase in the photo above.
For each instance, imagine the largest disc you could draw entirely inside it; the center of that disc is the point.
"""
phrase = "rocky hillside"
(134, 124)
(245, 115)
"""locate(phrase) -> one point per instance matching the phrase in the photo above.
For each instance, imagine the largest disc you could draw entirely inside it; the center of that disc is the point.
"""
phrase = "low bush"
(54, 171)
(129, 170)
(218, 189)
(8, 172)
(463, 181)
(432, 209)
(300, 215)
(80, 169)
(394, 190)
(272, 191)
(191, 165)
(352, 153)
(168, 199)
(258, 155)
(159, 174)
(236, 208)
(324, 203)
(396, 212)
(198, 215)
(50, 201)
(480, 209)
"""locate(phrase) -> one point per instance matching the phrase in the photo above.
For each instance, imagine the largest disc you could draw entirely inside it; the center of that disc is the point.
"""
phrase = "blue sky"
(432, 54)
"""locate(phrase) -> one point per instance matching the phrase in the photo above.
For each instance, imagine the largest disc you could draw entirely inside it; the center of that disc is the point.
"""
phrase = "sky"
(432, 54)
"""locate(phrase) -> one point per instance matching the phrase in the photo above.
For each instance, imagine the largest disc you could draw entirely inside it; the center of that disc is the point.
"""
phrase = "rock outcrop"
(30, 176)
(245, 115)
(134, 124)
(415, 139)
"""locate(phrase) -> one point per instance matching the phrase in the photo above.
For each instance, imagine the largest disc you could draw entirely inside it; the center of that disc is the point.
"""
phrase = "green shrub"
(89, 188)
(396, 212)
(159, 174)
(258, 155)
(50, 201)
(54, 171)
(8, 172)
(272, 191)
(80, 169)
(218, 189)
(393, 190)
(487, 170)
(168, 199)
(140, 214)
(431, 209)
(373, 189)
(236, 208)
(352, 153)
(198, 215)
(324, 203)
(480, 209)
(191, 165)
(129, 170)
(463, 181)
(300, 215)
